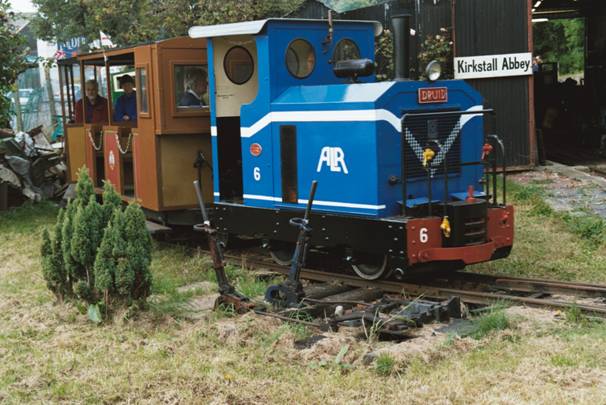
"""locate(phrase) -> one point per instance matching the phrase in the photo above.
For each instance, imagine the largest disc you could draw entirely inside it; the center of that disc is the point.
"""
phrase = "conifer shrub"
(98, 253)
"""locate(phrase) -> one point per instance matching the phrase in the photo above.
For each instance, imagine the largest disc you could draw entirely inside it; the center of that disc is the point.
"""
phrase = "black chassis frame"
(364, 235)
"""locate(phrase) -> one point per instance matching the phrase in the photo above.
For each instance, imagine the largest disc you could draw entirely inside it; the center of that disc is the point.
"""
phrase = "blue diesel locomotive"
(406, 175)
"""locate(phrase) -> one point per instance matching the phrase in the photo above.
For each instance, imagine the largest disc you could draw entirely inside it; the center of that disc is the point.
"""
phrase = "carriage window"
(191, 87)
(346, 49)
(142, 95)
(300, 58)
(238, 65)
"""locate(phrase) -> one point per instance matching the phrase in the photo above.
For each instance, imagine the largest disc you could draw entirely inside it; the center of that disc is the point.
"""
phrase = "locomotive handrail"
(447, 113)
(430, 166)
(501, 147)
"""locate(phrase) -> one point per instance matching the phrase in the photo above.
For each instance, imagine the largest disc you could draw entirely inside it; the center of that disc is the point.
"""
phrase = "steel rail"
(435, 288)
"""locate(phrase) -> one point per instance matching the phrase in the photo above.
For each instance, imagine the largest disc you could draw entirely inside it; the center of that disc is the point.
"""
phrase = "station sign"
(487, 66)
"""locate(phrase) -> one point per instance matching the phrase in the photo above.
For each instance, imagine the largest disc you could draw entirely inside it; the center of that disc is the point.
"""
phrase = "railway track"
(471, 288)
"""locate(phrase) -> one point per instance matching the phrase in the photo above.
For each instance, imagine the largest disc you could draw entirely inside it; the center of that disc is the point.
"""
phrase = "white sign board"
(481, 67)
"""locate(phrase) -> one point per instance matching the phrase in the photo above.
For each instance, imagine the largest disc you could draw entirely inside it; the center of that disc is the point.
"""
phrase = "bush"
(99, 253)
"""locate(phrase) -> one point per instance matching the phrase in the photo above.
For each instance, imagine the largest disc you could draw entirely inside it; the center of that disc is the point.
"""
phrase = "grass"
(550, 244)
(50, 353)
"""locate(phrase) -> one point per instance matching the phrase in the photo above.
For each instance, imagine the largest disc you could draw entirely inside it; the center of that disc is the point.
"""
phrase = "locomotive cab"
(400, 165)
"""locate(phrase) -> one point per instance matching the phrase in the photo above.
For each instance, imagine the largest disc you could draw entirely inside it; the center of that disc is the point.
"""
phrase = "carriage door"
(236, 83)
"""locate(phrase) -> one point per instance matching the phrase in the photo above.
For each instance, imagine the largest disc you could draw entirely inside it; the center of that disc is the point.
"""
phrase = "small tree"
(138, 252)
(111, 202)
(110, 253)
(98, 250)
(53, 269)
(84, 187)
(87, 237)
(67, 232)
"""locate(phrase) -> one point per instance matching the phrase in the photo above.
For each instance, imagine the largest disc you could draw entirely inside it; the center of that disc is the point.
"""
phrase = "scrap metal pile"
(30, 167)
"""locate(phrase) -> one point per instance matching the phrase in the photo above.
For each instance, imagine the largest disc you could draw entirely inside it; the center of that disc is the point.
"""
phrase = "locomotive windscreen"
(441, 133)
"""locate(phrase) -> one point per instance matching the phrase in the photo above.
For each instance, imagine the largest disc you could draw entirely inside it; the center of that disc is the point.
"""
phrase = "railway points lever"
(227, 292)
(290, 293)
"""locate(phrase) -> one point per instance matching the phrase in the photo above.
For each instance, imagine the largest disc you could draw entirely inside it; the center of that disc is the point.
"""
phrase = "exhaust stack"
(401, 46)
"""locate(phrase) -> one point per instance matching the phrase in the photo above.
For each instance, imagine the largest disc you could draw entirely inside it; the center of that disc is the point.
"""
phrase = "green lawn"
(51, 353)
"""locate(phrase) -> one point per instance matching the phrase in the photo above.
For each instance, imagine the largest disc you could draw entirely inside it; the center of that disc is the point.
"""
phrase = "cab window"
(191, 87)
(142, 94)
(300, 58)
(346, 49)
(238, 65)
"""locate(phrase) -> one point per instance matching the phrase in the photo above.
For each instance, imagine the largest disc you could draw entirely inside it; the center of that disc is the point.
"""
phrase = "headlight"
(433, 71)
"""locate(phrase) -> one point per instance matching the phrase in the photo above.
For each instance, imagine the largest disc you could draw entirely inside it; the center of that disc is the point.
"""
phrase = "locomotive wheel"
(281, 253)
(370, 268)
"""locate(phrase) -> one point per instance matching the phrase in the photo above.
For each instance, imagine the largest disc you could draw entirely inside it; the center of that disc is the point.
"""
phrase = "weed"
(226, 311)
(494, 320)
(541, 209)
(301, 332)
(301, 316)
(525, 193)
(385, 364)
(589, 227)
(573, 314)
(559, 360)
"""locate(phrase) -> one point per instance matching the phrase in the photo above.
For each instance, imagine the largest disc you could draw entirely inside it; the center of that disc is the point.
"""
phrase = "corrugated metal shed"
(310, 9)
(488, 27)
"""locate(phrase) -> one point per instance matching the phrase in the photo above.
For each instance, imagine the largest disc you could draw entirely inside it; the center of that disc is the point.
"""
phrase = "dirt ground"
(569, 189)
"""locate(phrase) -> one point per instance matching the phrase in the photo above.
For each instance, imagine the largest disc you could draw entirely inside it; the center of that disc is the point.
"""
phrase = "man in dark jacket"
(92, 108)
(196, 86)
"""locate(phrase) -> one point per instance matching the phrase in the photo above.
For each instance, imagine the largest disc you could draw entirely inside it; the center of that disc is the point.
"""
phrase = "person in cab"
(196, 87)
(125, 109)
(92, 108)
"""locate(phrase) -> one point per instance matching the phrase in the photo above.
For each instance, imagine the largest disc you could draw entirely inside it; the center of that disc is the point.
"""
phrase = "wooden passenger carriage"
(153, 159)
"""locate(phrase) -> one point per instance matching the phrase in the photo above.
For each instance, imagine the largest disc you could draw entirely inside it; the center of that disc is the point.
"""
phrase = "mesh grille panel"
(419, 132)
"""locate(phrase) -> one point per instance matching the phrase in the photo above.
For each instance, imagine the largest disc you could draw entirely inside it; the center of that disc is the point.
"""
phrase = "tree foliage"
(384, 55)
(438, 47)
(12, 59)
(561, 41)
(341, 6)
(129, 22)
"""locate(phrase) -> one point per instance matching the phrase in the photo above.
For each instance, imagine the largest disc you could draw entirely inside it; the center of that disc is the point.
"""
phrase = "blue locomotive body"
(281, 117)
(349, 138)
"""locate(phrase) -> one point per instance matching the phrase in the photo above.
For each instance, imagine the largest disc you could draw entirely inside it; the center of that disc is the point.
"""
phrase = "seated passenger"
(91, 109)
(196, 86)
(125, 109)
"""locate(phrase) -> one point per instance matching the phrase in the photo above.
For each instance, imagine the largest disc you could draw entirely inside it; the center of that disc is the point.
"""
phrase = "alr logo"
(334, 158)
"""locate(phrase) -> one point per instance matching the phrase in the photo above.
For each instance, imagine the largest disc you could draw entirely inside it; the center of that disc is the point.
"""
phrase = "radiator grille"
(419, 131)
